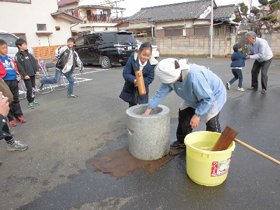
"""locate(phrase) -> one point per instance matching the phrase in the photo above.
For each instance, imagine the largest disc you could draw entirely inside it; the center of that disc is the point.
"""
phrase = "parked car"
(106, 48)
(11, 39)
(155, 51)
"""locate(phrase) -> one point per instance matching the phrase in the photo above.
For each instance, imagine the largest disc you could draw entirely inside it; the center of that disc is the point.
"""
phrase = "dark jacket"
(62, 55)
(238, 59)
(22, 65)
(129, 92)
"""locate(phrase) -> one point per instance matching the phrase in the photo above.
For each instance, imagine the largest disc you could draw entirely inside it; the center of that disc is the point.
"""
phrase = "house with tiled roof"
(183, 19)
(96, 15)
(39, 22)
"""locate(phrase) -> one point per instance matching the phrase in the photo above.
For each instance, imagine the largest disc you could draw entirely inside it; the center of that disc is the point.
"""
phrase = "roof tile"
(181, 11)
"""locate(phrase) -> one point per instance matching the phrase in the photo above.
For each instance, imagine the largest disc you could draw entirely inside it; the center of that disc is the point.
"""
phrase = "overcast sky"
(133, 6)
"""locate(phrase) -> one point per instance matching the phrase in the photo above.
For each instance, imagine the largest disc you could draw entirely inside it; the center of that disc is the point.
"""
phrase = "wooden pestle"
(140, 82)
(229, 135)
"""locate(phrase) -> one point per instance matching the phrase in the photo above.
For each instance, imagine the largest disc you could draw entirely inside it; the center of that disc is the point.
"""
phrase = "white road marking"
(94, 71)
(64, 84)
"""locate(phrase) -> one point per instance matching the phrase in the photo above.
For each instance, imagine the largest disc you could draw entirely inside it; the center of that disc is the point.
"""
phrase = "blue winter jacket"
(129, 92)
(238, 59)
(201, 89)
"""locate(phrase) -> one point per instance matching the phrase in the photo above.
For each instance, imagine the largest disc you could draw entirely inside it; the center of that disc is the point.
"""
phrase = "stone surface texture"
(149, 136)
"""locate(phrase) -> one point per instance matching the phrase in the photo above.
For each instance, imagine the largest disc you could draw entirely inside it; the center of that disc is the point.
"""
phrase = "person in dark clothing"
(12, 145)
(28, 68)
(238, 61)
(9, 73)
(144, 61)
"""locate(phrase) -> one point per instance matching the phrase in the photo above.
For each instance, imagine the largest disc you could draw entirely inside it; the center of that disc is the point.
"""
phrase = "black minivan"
(106, 48)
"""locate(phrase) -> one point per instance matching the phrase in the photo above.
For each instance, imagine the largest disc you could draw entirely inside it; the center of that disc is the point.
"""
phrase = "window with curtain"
(173, 32)
(201, 31)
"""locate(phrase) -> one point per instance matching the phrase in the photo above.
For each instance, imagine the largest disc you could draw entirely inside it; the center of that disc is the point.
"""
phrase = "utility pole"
(211, 31)
(250, 6)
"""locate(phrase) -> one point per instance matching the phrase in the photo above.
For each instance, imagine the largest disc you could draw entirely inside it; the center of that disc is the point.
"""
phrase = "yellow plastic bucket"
(205, 167)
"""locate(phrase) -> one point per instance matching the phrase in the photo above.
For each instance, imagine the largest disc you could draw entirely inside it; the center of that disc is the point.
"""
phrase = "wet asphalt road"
(65, 134)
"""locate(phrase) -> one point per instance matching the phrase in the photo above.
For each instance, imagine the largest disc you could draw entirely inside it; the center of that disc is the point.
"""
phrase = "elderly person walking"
(260, 51)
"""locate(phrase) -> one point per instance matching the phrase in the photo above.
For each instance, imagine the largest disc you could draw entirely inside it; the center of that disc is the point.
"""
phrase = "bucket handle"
(205, 154)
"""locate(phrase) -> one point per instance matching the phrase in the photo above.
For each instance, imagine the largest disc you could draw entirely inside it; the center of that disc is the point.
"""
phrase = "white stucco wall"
(139, 23)
(160, 25)
(25, 17)
(94, 27)
(187, 23)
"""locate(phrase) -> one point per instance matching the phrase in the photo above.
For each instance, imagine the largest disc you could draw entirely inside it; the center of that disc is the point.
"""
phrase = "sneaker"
(13, 123)
(263, 91)
(178, 144)
(31, 105)
(228, 85)
(20, 120)
(36, 103)
(17, 146)
(252, 88)
(240, 89)
(72, 96)
(41, 85)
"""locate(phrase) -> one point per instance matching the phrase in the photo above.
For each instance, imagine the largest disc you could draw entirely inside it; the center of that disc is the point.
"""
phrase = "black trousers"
(184, 120)
(257, 66)
(131, 104)
(30, 87)
(15, 108)
(7, 130)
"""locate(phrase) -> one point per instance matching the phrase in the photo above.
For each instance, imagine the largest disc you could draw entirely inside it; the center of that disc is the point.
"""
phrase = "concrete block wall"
(274, 42)
(189, 46)
(200, 45)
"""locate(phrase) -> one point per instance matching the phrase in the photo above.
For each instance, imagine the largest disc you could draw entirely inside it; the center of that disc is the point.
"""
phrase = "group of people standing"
(25, 67)
(202, 91)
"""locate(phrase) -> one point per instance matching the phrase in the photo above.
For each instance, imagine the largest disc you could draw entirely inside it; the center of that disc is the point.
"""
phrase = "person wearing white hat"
(203, 92)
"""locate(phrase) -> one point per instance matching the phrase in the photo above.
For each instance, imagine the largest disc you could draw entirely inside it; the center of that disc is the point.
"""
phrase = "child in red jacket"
(9, 73)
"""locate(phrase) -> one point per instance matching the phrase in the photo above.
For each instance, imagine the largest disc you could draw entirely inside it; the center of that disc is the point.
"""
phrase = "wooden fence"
(45, 52)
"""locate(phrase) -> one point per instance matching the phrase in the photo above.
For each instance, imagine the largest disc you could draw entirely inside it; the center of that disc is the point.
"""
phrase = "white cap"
(166, 72)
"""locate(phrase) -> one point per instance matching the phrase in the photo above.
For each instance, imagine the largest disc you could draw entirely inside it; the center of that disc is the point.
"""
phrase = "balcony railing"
(99, 18)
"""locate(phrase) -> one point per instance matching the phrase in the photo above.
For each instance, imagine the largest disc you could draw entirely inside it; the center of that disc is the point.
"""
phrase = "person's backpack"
(59, 63)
